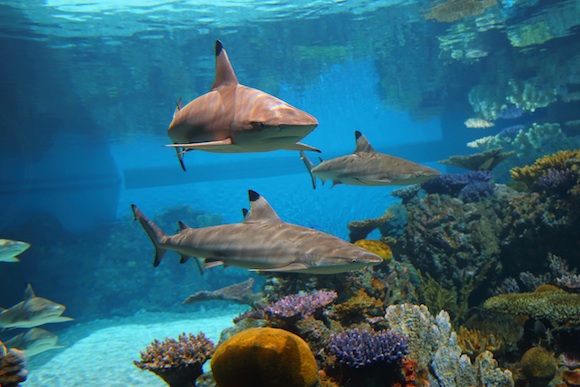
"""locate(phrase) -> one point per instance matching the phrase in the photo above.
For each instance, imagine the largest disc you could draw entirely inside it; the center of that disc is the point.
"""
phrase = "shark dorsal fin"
(182, 226)
(224, 72)
(260, 210)
(362, 144)
(245, 212)
(29, 293)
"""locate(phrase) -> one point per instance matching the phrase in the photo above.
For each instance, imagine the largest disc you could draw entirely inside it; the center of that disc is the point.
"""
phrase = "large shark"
(232, 118)
(261, 242)
(32, 312)
(10, 249)
(365, 166)
(34, 341)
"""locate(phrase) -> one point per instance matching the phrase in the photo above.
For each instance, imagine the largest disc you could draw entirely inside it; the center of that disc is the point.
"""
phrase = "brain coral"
(539, 366)
(264, 357)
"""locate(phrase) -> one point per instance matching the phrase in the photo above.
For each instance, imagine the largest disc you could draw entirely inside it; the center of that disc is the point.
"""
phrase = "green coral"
(556, 306)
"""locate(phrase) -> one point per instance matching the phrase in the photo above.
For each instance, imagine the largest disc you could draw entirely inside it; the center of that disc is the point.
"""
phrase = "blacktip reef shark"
(34, 341)
(365, 166)
(261, 242)
(10, 249)
(32, 312)
(233, 118)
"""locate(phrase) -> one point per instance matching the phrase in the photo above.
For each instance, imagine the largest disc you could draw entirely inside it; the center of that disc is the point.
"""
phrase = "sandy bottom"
(101, 353)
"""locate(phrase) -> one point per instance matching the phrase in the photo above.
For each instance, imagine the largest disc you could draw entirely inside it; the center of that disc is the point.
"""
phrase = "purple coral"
(359, 348)
(557, 181)
(452, 184)
(476, 191)
(300, 305)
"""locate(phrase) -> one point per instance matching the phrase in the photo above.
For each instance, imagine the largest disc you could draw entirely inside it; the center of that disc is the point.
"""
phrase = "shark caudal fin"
(309, 166)
(155, 234)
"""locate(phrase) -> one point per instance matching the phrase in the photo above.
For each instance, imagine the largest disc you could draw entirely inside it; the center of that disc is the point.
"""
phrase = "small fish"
(233, 118)
(32, 312)
(365, 166)
(10, 249)
(261, 242)
(34, 341)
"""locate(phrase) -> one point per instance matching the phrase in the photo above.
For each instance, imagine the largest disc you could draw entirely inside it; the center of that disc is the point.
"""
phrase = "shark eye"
(353, 260)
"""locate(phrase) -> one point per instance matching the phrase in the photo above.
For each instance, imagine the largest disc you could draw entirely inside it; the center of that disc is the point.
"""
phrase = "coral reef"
(452, 184)
(361, 228)
(538, 366)
(297, 306)
(12, 367)
(433, 343)
(241, 293)
(178, 362)
(486, 160)
(478, 123)
(360, 348)
(556, 306)
(264, 357)
(473, 341)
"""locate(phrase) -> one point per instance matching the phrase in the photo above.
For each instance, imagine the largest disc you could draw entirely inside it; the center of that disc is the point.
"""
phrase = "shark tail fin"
(155, 234)
(309, 166)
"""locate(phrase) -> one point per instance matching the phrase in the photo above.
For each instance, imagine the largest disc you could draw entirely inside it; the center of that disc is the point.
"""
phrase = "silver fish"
(261, 242)
(232, 118)
(365, 166)
(10, 249)
(34, 341)
(32, 312)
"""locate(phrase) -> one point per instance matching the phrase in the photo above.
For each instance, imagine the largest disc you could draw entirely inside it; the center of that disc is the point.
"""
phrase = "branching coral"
(473, 341)
(556, 306)
(178, 362)
(546, 172)
(298, 306)
(360, 348)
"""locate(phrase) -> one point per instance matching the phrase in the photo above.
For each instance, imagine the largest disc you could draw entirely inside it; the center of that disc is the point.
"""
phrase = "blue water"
(88, 90)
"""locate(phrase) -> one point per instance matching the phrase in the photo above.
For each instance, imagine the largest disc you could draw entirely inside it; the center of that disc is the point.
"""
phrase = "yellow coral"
(360, 304)
(474, 341)
(266, 357)
(559, 160)
(377, 247)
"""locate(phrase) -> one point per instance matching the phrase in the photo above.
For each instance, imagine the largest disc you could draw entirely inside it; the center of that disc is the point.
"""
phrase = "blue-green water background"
(87, 92)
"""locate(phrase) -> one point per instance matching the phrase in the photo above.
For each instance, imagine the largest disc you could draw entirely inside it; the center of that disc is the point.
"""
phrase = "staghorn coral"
(178, 362)
(264, 357)
(556, 306)
(361, 348)
(452, 10)
(12, 367)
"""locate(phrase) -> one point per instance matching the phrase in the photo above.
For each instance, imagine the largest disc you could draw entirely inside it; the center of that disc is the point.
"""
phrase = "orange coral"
(359, 305)
(474, 341)
(264, 357)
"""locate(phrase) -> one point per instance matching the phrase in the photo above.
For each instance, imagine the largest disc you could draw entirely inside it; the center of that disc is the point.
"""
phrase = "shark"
(261, 242)
(233, 118)
(34, 341)
(365, 166)
(10, 249)
(32, 312)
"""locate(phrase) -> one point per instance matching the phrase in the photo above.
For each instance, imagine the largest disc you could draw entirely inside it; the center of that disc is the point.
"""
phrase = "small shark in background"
(34, 341)
(261, 242)
(32, 312)
(365, 166)
(232, 118)
(10, 249)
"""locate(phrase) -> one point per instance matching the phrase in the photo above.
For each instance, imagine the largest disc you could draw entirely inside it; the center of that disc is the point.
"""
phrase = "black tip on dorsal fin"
(362, 144)
(357, 134)
(29, 293)
(245, 212)
(182, 226)
(218, 47)
(253, 195)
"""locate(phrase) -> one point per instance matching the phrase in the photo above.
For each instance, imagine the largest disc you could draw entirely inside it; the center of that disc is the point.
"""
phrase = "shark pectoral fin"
(198, 145)
(10, 259)
(302, 147)
(309, 167)
(62, 319)
(180, 155)
(211, 264)
(294, 266)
